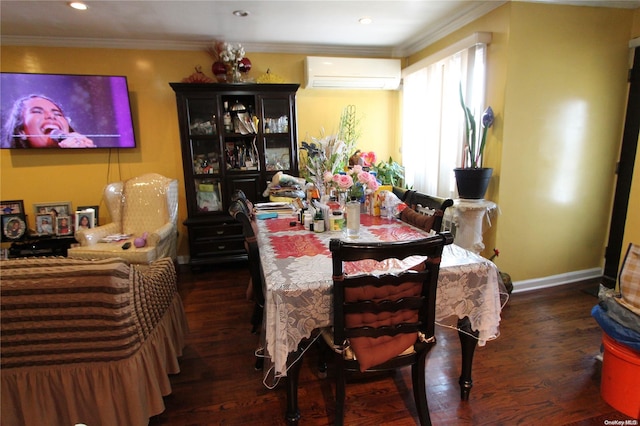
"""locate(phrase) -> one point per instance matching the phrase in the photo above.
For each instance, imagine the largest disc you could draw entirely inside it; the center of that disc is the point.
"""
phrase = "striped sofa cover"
(89, 342)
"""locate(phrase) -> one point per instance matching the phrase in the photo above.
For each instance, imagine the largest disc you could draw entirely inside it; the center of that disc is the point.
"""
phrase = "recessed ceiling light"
(241, 13)
(78, 5)
(365, 21)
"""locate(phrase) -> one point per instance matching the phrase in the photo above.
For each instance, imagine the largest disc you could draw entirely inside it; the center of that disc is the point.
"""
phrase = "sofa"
(88, 342)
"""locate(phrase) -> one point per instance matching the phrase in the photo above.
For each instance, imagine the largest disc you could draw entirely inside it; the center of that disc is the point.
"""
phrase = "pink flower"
(327, 177)
(369, 158)
(343, 181)
(357, 169)
(363, 177)
(373, 184)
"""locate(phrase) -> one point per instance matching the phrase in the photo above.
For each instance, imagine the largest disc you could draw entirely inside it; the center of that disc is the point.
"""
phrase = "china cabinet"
(233, 136)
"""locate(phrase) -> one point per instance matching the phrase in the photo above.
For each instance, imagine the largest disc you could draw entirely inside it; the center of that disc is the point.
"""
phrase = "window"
(433, 120)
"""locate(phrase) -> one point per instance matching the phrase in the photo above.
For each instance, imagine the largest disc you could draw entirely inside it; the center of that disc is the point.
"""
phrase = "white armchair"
(147, 203)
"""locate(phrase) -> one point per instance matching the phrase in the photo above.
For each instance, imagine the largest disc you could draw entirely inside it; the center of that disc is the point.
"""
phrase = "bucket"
(619, 386)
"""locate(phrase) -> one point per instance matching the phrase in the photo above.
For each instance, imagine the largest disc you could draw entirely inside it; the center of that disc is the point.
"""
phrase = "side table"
(471, 219)
(41, 246)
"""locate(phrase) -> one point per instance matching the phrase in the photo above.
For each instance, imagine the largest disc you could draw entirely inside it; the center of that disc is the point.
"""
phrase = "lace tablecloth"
(297, 270)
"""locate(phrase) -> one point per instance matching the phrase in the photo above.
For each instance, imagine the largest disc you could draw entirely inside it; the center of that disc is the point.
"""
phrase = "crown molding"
(425, 38)
(430, 36)
(288, 48)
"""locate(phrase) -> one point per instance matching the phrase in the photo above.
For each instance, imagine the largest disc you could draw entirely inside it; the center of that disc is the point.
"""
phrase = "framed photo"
(61, 208)
(12, 207)
(95, 209)
(85, 219)
(45, 223)
(63, 225)
(14, 227)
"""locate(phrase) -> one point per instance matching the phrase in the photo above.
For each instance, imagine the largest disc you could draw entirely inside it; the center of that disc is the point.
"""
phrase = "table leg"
(468, 342)
(294, 362)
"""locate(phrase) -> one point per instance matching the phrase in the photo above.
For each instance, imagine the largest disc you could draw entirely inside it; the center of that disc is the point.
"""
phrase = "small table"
(471, 219)
(297, 270)
(41, 246)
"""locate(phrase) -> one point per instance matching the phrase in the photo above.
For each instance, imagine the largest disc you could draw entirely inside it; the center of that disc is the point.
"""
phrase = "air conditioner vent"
(352, 73)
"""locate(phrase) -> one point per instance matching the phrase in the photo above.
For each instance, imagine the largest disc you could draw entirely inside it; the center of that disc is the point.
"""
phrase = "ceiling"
(398, 28)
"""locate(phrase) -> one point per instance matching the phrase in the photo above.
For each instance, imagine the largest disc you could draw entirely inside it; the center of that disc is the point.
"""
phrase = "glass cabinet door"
(206, 158)
(202, 117)
(208, 195)
(276, 115)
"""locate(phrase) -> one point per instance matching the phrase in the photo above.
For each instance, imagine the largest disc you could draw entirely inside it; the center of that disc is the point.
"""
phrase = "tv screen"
(65, 111)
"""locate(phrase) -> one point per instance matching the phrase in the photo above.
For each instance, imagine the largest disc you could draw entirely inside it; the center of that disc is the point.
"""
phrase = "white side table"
(471, 219)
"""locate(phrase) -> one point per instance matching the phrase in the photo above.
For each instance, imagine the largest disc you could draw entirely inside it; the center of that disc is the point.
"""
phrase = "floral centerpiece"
(355, 183)
(329, 155)
(229, 61)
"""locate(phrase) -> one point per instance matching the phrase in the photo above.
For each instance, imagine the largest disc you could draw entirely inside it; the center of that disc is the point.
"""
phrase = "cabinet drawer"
(207, 232)
(217, 247)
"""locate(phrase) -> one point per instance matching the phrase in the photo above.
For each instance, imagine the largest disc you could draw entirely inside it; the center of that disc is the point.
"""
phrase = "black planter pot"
(473, 183)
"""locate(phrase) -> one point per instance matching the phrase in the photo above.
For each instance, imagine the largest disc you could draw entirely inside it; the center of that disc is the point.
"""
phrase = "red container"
(620, 385)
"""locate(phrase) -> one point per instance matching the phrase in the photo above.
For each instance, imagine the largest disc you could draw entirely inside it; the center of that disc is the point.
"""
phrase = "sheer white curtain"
(433, 120)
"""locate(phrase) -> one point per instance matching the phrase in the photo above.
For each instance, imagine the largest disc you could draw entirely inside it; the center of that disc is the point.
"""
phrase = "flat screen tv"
(65, 111)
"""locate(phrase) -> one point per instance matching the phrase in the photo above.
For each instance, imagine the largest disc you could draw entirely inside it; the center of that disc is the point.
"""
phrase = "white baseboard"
(556, 280)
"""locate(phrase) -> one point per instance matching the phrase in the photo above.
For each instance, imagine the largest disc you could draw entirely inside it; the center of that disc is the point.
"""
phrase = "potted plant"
(472, 179)
(389, 173)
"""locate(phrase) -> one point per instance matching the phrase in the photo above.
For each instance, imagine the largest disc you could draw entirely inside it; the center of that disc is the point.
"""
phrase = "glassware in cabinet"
(241, 153)
(202, 117)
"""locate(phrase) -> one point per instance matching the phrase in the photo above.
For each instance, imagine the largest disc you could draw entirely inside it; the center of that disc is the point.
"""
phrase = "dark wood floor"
(540, 371)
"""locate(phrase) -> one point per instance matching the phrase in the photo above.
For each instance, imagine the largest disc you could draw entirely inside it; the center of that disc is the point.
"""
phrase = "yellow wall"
(565, 99)
(79, 177)
(557, 82)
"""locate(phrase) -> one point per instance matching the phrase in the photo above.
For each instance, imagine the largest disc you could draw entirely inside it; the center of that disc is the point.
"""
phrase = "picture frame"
(60, 208)
(14, 227)
(64, 226)
(96, 210)
(45, 224)
(12, 207)
(81, 223)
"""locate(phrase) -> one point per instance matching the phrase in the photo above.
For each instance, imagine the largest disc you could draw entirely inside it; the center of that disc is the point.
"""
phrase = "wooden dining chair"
(241, 212)
(384, 318)
(426, 205)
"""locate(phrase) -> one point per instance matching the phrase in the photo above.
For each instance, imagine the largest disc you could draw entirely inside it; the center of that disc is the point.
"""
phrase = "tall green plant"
(474, 148)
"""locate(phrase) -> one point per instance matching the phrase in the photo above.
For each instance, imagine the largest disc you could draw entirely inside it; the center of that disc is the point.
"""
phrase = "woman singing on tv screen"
(37, 121)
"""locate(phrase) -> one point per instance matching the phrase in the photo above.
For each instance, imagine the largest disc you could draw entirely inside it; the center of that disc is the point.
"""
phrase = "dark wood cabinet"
(233, 136)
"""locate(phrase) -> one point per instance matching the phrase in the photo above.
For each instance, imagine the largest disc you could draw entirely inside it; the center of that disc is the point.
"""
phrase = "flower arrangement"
(229, 61)
(474, 144)
(325, 157)
(354, 183)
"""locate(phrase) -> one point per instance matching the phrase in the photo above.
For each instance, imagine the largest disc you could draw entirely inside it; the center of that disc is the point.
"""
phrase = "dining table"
(297, 272)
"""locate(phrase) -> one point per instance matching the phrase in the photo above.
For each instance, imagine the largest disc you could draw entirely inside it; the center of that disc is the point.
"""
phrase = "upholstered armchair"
(144, 204)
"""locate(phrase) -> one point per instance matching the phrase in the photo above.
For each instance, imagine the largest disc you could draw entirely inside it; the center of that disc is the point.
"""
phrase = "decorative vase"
(472, 183)
(234, 73)
(353, 219)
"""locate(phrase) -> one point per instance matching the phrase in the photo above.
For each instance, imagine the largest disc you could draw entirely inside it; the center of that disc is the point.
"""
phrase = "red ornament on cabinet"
(244, 65)
(219, 70)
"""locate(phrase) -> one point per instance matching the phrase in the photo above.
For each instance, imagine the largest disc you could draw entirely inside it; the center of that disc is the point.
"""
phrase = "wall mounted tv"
(65, 111)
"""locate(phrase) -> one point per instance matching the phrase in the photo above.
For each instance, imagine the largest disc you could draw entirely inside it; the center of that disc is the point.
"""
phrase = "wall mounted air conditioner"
(352, 73)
